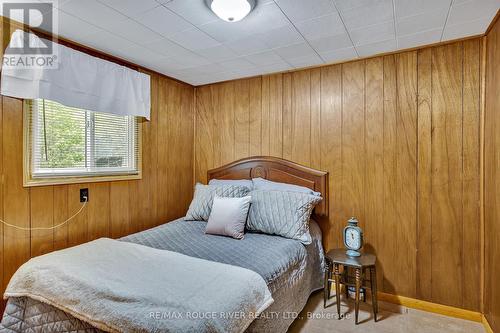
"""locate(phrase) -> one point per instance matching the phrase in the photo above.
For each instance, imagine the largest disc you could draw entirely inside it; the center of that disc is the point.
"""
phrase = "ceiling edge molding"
(357, 59)
(120, 61)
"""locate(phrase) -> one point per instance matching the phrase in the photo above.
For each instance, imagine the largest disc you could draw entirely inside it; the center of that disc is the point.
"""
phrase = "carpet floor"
(391, 319)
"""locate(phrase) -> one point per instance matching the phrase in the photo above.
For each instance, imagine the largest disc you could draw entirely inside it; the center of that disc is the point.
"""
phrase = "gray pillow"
(241, 182)
(264, 184)
(282, 213)
(228, 217)
(200, 207)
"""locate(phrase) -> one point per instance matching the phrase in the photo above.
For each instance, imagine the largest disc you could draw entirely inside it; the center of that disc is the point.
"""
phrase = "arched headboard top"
(278, 170)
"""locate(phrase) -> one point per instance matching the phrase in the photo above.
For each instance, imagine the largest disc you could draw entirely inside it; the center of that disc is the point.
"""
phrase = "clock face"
(352, 239)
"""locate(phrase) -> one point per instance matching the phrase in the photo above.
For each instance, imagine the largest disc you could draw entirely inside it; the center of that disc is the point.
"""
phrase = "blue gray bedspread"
(268, 255)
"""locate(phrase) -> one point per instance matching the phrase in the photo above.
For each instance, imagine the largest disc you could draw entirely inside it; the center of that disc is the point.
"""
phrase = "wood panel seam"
(405, 76)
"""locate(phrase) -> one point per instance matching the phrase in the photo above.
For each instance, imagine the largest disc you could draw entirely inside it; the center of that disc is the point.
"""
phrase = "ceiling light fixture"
(231, 10)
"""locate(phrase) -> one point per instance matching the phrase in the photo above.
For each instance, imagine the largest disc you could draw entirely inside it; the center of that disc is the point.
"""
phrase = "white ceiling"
(185, 40)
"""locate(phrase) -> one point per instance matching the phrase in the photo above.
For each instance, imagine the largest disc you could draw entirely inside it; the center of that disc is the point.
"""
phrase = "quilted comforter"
(291, 270)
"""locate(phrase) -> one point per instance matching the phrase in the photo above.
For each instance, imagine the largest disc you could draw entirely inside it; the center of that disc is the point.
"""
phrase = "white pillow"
(267, 185)
(228, 217)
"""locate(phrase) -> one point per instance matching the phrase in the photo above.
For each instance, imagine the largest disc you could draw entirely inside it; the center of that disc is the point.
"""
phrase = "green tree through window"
(61, 135)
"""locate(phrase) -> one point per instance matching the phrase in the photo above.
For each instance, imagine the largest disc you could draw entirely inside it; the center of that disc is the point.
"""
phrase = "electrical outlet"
(84, 193)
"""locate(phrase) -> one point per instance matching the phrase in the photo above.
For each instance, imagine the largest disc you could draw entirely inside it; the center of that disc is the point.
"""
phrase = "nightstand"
(361, 265)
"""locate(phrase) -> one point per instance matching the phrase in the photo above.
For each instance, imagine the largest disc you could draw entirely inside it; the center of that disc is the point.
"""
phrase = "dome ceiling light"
(231, 10)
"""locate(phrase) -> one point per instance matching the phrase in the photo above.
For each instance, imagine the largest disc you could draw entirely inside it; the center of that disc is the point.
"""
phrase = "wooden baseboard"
(446, 310)
(418, 304)
(486, 324)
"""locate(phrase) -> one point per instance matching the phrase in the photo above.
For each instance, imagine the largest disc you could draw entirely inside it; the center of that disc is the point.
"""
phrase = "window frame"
(29, 180)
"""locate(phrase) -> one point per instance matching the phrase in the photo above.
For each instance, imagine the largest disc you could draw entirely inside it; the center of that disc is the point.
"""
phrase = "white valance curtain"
(80, 81)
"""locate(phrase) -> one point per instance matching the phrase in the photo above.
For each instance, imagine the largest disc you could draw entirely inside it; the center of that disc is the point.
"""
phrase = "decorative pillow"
(282, 213)
(264, 184)
(200, 207)
(228, 217)
(238, 182)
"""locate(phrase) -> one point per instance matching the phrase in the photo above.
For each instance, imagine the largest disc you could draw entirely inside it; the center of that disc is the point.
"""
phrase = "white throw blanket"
(118, 286)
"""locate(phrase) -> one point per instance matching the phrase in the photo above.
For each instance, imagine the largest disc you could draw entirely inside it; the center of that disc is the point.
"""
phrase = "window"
(66, 144)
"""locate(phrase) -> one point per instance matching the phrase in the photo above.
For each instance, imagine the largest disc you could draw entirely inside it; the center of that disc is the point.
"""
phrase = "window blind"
(67, 141)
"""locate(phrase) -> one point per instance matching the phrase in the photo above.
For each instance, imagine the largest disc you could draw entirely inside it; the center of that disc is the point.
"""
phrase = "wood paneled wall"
(492, 179)
(115, 209)
(399, 135)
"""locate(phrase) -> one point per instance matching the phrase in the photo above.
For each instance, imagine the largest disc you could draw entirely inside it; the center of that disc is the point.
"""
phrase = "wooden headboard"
(278, 170)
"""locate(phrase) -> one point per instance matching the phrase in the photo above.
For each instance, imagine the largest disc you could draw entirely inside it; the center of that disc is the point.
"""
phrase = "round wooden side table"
(337, 259)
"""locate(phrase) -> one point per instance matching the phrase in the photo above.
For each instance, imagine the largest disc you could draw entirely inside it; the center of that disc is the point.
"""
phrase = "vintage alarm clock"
(353, 238)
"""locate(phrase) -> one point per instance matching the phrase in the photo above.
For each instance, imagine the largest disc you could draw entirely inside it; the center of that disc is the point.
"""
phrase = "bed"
(291, 270)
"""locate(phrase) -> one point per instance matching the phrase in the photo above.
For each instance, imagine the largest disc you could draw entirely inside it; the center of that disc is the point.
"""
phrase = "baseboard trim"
(426, 306)
(446, 310)
(486, 324)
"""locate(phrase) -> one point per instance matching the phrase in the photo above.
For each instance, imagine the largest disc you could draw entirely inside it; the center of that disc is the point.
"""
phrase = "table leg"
(373, 282)
(337, 288)
(346, 278)
(326, 292)
(358, 287)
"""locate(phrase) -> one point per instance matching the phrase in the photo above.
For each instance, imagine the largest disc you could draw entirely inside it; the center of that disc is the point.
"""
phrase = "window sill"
(31, 182)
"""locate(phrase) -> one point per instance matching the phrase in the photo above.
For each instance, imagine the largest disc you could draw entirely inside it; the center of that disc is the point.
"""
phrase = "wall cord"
(48, 228)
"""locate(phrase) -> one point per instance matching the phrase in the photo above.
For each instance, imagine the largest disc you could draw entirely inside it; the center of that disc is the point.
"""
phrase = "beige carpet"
(392, 318)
